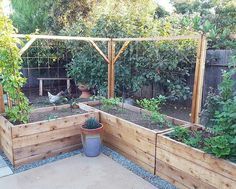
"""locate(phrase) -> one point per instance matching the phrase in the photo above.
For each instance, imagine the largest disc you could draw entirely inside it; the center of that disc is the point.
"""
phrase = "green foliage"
(220, 113)
(194, 140)
(180, 133)
(109, 103)
(63, 13)
(12, 79)
(29, 15)
(92, 123)
(219, 146)
(153, 105)
(215, 18)
(164, 64)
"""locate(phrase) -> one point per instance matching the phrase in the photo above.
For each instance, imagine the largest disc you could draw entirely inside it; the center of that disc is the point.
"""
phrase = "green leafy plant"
(110, 103)
(180, 134)
(218, 145)
(92, 123)
(194, 140)
(153, 105)
(221, 126)
(10, 70)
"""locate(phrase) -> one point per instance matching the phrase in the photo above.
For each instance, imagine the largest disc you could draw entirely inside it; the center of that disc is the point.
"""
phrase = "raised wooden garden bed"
(26, 143)
(188, 167)
(135, 142)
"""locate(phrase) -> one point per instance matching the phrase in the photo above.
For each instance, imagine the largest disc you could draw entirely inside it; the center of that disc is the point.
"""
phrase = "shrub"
(12, 79)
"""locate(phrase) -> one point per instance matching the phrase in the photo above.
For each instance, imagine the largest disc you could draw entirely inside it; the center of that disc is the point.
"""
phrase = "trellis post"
(111, 69)
(198, 79)
(2, 106)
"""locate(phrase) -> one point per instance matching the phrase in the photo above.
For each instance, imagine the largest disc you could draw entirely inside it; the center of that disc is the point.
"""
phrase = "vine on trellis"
(12, 79)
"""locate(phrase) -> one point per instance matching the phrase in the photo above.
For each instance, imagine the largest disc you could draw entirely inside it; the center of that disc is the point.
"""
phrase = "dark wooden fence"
(216, 61)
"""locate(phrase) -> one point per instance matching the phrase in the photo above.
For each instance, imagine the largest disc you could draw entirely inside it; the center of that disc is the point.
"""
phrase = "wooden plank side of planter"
(46, 147)
(178, 177)
(42, 156)
(133, 141)
(51, 125)
(6, 137)
(40, 140)
(226, 168)
(193, 163)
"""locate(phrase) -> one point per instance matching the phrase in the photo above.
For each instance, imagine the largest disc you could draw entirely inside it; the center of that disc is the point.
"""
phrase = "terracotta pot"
(85, 91)
(91, 131)
(91, 140)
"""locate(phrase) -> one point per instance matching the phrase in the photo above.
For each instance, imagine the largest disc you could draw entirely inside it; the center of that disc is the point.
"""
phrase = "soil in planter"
(53, 114)
(135, 117)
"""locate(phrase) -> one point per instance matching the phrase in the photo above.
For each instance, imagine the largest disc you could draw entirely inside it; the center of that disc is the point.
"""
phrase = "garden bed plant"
(203, 157)
(146, 114)
(219, 137)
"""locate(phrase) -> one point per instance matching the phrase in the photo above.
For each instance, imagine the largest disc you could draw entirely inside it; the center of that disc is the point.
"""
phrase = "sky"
(166, 4)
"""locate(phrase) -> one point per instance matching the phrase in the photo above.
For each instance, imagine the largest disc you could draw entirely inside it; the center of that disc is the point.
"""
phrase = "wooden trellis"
(112, 57)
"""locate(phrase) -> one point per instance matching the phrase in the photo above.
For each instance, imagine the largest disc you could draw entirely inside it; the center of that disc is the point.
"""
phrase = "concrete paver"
(4, 169)
(77, 172)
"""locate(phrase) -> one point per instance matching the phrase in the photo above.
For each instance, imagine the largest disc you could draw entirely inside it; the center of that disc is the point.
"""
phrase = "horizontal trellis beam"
(160, 38)
(75, 38)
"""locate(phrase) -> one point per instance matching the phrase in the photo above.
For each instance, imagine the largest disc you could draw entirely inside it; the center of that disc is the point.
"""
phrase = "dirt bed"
(134, 117)
(53, 114)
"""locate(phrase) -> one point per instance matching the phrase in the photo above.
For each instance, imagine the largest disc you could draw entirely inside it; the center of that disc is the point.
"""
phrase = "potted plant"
(85, 93)
(91, 139)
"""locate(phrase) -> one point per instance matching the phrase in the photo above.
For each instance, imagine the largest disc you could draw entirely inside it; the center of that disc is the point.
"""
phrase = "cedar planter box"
(135, 142)
(34, 141)
(188, 167)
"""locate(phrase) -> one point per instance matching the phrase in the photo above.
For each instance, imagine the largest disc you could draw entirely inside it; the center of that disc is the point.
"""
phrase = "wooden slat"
(55, 78)
(45, 156)
(179, 178)
(130, 149)
(198, 79)
(128, 128)
(137, 142)
(46, 147)
(100, 51)
(27, 45)
(198, 172)
(2, 106)
(6, 137)
(160, 38)
(198, 157)
(201, 71)
(121, 51)
(171, 180)
(45, 136)
(57, 37)
(52, 125)
(51, 108)
(111, 69)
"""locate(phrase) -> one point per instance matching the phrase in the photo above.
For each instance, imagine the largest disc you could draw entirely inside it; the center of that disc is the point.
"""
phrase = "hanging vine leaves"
(12, 79)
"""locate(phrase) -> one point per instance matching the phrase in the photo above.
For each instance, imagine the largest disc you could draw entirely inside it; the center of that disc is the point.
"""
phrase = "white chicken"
(55, 98)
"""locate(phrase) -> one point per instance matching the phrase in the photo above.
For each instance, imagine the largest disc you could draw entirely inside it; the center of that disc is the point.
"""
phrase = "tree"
(215, 18)
(29, 15)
